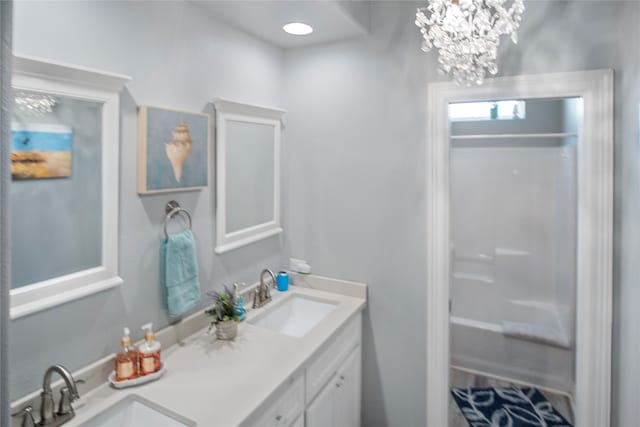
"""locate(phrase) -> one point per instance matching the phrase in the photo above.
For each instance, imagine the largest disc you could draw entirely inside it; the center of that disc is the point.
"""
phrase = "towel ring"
(172, 208)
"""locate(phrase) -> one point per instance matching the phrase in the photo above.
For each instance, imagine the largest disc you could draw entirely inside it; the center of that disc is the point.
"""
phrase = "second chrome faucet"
(262, 295)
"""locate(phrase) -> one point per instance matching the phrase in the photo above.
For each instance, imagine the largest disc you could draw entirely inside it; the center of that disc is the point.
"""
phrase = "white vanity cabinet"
(327, 390)
(338, 403)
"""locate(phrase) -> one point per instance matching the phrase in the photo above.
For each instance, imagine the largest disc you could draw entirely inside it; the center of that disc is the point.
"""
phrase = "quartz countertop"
(221, 383)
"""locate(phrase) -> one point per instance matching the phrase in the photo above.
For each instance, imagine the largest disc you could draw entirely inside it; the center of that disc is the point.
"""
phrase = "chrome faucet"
(262, 295)
(48, 416)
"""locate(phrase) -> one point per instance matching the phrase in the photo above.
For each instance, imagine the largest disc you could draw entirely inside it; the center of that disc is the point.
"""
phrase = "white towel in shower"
(542, 334)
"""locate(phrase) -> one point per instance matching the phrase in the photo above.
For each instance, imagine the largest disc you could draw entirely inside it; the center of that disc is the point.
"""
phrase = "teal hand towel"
(179, 273)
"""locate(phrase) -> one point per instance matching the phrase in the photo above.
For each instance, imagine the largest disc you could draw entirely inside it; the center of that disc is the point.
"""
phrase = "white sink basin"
(294, 316)
(134, 411)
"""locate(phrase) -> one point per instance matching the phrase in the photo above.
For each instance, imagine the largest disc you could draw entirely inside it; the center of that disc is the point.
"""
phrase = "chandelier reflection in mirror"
(34, 103)
(467, 33)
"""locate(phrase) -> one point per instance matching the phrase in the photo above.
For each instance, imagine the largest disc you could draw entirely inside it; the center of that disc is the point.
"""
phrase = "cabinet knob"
(338, 385)
(341, 377)
(278, 417)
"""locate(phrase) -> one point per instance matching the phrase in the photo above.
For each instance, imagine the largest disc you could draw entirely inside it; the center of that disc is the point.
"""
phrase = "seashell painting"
(173, 150)
(178, 148)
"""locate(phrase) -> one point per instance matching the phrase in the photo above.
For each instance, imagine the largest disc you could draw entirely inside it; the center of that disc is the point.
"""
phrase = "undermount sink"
(134, 411)
(295, 316)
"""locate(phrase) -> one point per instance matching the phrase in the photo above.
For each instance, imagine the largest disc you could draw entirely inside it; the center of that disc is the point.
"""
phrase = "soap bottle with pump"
(149, 352)
(239, 309)
(126, 359)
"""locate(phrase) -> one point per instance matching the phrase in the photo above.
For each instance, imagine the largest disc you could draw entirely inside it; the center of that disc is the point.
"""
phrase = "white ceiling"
(331, 20)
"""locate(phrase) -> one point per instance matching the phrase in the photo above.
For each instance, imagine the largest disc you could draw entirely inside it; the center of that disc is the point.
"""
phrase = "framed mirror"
(64, 188)
(248, 174)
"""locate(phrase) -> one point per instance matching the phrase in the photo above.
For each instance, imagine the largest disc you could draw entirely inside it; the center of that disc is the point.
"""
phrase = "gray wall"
(6, 13)
(179, 57)
(355, 150)
(626, 317)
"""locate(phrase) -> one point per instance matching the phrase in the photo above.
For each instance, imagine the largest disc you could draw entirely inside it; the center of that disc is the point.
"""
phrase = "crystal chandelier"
(467, 34)
(35, 103)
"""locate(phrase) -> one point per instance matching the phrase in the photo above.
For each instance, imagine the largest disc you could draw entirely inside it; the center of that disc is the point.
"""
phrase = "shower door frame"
(595, 232)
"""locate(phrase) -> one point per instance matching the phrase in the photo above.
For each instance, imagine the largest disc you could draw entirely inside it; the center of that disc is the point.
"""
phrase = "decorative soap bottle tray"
(136, 381)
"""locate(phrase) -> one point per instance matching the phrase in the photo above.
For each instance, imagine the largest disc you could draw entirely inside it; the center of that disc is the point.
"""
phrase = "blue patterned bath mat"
(507, 407)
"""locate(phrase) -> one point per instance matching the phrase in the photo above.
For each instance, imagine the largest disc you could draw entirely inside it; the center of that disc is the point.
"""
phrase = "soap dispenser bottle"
(239, 309)
(149, 352)
(126, 359)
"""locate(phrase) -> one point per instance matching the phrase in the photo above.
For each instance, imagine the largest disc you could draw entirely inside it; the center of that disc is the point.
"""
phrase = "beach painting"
(41, 151)
(173, 150)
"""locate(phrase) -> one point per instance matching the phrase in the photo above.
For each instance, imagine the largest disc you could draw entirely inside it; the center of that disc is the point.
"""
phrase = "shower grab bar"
(480, 257)
(476, 277)
(516, 135)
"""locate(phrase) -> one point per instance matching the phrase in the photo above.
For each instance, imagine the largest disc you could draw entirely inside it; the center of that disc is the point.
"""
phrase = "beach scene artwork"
(41, 151)
(173, 150)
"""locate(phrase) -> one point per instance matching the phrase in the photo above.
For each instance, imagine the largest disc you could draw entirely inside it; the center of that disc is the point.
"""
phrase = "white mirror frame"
(33, 74)
(235, 111)
(595, 231)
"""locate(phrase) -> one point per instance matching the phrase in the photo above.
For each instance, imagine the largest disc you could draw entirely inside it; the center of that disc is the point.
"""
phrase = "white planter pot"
(226, 330)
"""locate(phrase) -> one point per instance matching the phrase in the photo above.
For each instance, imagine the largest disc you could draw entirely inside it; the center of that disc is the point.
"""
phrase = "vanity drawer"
(291, 403)
(325, 364)
(283, 409)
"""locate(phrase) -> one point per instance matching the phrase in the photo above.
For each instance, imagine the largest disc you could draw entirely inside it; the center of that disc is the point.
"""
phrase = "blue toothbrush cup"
(283, 281)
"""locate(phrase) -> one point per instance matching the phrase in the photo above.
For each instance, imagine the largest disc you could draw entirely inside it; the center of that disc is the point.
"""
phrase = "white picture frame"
(159, 167)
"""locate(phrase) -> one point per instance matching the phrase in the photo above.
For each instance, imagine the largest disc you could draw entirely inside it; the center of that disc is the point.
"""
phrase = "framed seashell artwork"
(173, 150)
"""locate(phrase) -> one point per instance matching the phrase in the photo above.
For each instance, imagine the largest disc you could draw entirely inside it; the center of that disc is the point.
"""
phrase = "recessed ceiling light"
(297, 29)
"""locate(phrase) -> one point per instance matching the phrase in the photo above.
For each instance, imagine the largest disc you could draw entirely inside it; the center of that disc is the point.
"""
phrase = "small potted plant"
(223, 314)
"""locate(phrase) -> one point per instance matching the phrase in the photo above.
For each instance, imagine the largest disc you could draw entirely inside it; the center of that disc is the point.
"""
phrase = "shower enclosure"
(513, 183)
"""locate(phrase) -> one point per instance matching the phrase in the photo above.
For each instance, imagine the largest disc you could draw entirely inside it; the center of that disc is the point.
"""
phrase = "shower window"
(487, 110)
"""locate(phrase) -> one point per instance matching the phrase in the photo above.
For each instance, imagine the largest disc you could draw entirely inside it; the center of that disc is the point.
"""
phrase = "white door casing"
(595, 232)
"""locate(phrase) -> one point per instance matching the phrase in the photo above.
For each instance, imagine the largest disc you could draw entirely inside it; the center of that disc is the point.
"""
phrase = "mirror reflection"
(250, 166)
(56, 186)
(513, 261)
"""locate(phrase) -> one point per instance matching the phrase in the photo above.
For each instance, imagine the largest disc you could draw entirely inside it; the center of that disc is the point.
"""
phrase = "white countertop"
(222, 383)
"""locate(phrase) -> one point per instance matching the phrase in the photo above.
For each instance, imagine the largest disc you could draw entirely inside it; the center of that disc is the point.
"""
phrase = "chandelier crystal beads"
(34, 103)
(467, 33)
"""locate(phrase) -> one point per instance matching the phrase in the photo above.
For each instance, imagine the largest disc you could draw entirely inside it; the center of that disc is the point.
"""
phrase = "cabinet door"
(348, 394)
(283, 407)
(338, 403)
(299, 422)
(268, 419)
(291, 403)
(320, 412)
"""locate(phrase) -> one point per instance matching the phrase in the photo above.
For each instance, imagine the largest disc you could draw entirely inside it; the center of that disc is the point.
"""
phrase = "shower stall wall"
(513, 228)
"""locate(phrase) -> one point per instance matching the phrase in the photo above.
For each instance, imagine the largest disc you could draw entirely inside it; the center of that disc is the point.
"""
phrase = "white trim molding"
(234, 111)
(71, 81)
(595, 232)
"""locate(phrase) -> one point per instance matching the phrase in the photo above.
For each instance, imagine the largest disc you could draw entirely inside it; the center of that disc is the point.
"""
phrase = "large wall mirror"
(248, 174)
(64, 188)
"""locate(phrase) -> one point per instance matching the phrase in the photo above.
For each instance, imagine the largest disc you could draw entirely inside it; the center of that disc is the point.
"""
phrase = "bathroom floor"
(463, 378)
